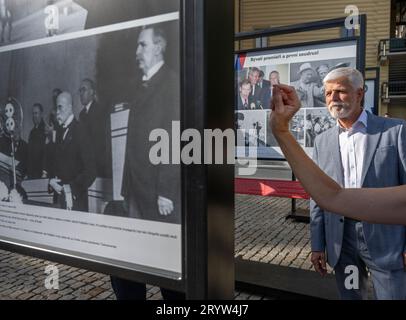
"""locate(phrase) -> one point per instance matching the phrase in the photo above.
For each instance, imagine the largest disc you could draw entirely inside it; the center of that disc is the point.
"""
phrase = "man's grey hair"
(159, 36)
(254, 69)
(353, 75)
(91, 82)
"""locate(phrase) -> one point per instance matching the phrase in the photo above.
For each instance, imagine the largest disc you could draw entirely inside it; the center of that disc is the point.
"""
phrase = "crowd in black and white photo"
(68, 143)
(255, 92)
(61, 148)
(316, 124)
(307, 78)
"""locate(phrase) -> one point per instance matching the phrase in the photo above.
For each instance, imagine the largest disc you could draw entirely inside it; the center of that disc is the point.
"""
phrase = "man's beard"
(342, 112)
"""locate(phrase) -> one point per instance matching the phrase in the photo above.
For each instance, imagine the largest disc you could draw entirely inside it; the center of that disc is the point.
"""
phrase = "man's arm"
(366, 204)
(318, 92)
(169, 175)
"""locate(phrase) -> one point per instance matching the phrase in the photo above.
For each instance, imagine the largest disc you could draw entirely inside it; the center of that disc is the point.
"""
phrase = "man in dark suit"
(265, 94)
(36, 144)
(52, 128)
(150, 191)
(256, 90)
(274, 78)
(93, 119)
(74, 159)
(244, 99)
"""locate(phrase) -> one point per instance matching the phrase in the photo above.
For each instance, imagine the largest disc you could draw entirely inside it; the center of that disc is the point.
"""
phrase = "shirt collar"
(87, 107)
(361, 123)
(151, 72)
(68, 121)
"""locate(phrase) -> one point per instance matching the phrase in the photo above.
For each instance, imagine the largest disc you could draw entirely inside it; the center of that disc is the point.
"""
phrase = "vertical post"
(208, 55)
(194, 184)
(293, 212)
(362, 43)
(220, 106)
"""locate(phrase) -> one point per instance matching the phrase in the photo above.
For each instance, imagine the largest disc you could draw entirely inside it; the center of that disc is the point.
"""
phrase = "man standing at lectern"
(151, 192)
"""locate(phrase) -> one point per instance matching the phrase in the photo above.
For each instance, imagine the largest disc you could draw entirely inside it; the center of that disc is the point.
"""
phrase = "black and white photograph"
(303, 66)
(252, 124)
(254, 86)
(297, 127)
(75, 120)
(307, 78)
(317, 120)
(83, 100)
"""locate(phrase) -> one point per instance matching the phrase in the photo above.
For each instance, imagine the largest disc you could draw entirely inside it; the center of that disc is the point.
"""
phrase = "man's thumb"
(278, 101)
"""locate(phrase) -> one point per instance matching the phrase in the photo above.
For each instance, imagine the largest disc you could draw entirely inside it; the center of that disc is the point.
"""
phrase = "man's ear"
(158, 48)
(360, 94)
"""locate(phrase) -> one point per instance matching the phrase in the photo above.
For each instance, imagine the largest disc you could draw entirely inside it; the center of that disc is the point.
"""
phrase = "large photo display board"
(82, 85)
(302, 66)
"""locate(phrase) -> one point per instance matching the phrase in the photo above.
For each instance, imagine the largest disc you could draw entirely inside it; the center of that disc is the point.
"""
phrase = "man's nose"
(335, 96)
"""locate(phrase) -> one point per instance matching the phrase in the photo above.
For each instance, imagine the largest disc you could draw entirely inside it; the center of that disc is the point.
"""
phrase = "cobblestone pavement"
(262, 234)
(23, 278)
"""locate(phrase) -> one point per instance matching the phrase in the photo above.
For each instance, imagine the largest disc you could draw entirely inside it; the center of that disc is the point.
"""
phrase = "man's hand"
(165, 206)
(48, 129)
(318, 260)
(54, 183)
(285, 103)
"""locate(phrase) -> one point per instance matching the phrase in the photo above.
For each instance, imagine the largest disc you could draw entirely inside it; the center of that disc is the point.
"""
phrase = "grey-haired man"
(366, 151)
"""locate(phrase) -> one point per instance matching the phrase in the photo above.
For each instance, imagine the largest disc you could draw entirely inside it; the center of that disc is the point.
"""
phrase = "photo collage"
(253, 87)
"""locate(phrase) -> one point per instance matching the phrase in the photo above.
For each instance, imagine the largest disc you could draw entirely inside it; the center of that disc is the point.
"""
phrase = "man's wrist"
(281, 133)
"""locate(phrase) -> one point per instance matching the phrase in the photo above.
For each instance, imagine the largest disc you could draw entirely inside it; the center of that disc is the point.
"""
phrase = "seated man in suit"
(244, 98)
(74, 169)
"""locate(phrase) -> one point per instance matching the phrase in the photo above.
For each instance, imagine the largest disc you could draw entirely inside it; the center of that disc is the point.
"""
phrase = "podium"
(99, 193)
(119, 129)
(37, 191)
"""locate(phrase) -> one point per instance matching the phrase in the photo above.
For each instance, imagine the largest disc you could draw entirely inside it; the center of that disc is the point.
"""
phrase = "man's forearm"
(322, 188)
(375, 205)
